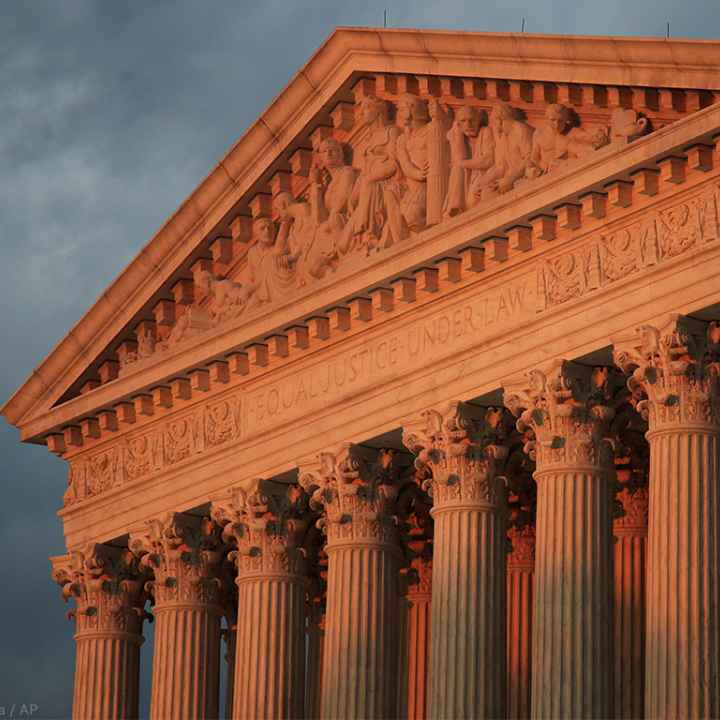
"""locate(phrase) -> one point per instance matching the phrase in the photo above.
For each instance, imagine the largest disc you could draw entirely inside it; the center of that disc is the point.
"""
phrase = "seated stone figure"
(512, 138)
(331, 185)
(558, 141)
(472, 152)
(376, 219)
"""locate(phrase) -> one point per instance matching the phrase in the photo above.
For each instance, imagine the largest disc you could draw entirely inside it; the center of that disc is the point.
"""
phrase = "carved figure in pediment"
(438, 176)
(627, 125)
(146, 343)
(512, 139)
(331, 184)
(295, 234)
(269, 270)
(560, 140)
(194, 320)
(472, 152)
(376, 221)
(225, 297)
(413, 158)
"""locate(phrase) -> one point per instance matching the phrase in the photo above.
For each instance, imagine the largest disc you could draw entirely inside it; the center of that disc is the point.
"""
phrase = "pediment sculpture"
(410, 164)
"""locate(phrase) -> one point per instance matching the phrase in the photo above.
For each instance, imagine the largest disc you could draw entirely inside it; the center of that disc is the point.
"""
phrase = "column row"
(574, 455)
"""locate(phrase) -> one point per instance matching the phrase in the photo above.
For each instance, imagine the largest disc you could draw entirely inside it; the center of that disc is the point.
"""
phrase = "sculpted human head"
(558, 118)
(264, 231)
(371, 109)
(281, 205)
(411, 110)
(469, 120)
(501, 118)
(330, 153)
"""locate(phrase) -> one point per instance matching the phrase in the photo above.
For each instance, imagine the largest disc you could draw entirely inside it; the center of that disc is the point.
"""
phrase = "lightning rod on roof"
(522, 27)
(384, 18)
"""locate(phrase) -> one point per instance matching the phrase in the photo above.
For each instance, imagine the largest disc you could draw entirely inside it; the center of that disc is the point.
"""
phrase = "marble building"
(412, 410)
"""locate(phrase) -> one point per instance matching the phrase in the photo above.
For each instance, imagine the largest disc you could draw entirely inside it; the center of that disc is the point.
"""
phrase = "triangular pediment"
(383, 140)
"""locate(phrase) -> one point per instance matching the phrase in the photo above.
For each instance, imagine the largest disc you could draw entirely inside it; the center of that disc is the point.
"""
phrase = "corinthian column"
(107, 589)
(563, 406)
(467, 646)
(520, 571)
(266, 527)
(184, 555)
(677, 367)
(361, 644)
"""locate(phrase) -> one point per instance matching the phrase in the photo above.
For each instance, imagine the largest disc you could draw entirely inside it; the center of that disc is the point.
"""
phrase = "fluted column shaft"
(572, 615)
(418, 640)
(106, 584)
(630, 567)
(106, 676)
(467, 645)
(520, 572)
(467, 663)
(186, 661)
(184, 554)
(677, 366)
(270, 658)
(564, 417)
(315, 649)
(683, 612)
(361, 651)
(230, 651)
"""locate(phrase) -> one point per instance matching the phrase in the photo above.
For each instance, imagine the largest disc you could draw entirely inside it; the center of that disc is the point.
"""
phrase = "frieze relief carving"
(107, 586)
(184, 553)
(266, 527)
(462, 452)
(677, 367)
(408, 164)
(355, 490)
(611, 256)
(155, 449)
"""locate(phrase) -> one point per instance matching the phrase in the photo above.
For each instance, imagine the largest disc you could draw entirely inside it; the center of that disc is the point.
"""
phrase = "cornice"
(348, 51)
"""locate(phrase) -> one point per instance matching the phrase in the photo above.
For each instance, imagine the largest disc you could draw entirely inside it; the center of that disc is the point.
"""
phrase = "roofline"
(629, 61)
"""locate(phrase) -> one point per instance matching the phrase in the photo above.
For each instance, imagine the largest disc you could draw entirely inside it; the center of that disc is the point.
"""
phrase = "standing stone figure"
(472, 152)
(376, 221)
(412, 154)
(438, 161)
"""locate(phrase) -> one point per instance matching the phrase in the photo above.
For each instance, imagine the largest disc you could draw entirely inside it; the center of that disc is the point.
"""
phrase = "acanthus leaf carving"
(106, 584)
(462, 451)
(677, 366)
(355, 489)
(265, 527)
(565, 407)
(184, 553)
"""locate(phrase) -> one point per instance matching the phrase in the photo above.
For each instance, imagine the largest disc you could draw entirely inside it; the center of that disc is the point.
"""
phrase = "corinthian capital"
(266, 526)
(355, 488)
(107, 587)
(676, 365)
(184, 554)
(462, 445)
(563, 410)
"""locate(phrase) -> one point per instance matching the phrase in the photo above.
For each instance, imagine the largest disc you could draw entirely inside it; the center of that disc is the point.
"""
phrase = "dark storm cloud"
(111, 113)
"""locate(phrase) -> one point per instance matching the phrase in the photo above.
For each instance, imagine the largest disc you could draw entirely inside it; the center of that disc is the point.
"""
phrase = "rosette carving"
(676, 366)
(184, 554)
(564, 411)
(107, 586)
(355, 488)
(462, 452)
(266, 527)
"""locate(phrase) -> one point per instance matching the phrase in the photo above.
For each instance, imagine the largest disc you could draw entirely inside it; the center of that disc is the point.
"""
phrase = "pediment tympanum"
(380, 186)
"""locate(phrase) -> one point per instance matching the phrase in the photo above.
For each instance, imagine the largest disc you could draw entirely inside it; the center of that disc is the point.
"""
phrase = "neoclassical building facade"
(411, 410)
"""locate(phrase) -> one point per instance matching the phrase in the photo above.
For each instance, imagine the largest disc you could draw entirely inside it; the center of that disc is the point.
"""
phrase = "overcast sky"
(112, 112)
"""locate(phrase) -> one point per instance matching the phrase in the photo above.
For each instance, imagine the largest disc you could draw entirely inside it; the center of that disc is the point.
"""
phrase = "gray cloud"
(111, 113)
